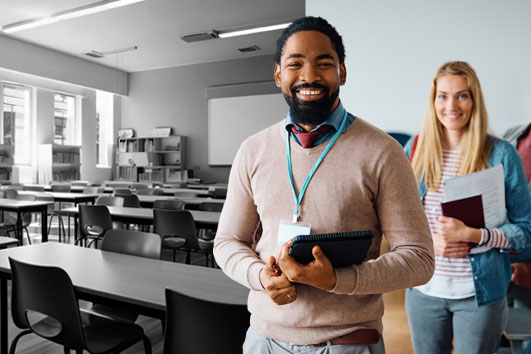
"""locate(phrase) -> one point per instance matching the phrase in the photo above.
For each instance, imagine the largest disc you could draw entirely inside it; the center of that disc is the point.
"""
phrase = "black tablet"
(341, 248)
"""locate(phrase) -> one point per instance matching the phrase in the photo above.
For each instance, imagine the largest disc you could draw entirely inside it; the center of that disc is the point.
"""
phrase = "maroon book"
(468, 210)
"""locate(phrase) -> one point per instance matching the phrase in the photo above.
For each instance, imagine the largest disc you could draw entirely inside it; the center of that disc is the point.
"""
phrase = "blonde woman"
(465, 299)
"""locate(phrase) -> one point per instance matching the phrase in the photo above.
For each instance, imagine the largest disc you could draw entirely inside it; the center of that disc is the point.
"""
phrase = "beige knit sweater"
(365, 182)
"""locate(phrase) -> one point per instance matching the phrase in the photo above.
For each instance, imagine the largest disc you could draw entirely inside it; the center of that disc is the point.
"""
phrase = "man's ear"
(342, 74)
(277, 75)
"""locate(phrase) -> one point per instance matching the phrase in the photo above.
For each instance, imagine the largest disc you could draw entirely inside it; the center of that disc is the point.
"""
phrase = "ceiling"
(155, 27)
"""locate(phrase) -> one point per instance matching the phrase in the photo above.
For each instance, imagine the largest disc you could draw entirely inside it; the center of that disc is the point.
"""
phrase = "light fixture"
(250, 30)
(211, 34)
(68, 14)
(101, 54)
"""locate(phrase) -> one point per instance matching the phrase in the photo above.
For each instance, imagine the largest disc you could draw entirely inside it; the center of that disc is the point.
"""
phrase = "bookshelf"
(6, 164)
(150, 159)
(59, 163)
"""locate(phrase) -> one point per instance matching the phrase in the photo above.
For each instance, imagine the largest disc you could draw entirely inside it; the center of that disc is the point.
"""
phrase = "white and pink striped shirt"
(452, 278)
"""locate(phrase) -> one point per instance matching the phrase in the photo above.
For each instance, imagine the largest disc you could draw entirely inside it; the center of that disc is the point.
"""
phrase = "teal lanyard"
(298, 199)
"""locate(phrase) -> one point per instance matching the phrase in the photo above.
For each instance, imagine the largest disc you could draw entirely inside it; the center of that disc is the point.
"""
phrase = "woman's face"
(453, 103)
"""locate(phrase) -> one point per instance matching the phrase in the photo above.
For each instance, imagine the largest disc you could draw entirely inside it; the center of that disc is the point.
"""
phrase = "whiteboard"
(232, 119)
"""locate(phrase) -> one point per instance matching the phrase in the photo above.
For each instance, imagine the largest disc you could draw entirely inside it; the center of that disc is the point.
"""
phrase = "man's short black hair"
(310, 23)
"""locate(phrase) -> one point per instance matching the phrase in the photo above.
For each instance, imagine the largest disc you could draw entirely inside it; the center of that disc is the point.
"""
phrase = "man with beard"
(321, 170)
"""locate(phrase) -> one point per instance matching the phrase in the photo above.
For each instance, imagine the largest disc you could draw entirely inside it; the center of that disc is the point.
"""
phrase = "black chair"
(178, 232)
(135, 243)
(217, 192)
(169, 204)
(119, 192)
(43, 301)
(131, 201)
(9, 224)
(223, 324)
(110, 200)
(209, 206)
(132, 242)
(94, 222)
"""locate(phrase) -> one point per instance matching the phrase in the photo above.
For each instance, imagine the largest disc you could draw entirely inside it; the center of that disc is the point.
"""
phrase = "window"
(65, 122)
(104, 128)
(16, 122)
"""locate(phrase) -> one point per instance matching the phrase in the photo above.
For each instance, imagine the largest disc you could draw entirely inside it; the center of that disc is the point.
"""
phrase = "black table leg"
(44, 223)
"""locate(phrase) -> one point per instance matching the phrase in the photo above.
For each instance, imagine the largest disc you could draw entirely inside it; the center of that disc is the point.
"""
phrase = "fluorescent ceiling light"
(248, 30)
(19, 26)
(69, 14)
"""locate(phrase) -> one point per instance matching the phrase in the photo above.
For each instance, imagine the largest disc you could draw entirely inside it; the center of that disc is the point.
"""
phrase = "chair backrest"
(185, 194)
(135, 243)
(10, 193)
(131, 201)
(48, 291)
(150, 191)
(170, 204)
(119, 192)
(93, 190)
(179, 223)
(61, 187)
(110, 200)
(210, 206)
(400, 137)
(34, 188)
(80, 183)
(217, 192)
(95, 215)
(224, 325)
(138, 186)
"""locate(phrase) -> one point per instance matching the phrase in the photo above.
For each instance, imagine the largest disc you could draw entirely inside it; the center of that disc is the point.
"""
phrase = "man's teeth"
(309, 92)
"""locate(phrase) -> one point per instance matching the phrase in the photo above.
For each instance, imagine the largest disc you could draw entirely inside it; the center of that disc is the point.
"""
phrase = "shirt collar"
(334, 119)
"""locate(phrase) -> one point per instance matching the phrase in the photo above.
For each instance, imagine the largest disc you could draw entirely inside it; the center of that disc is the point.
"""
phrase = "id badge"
(287, 230)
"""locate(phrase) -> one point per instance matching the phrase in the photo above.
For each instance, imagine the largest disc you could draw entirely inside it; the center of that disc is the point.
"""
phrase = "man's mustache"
(308, 86)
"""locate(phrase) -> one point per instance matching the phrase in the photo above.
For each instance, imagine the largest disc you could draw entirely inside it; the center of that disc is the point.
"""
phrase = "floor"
(396, 330)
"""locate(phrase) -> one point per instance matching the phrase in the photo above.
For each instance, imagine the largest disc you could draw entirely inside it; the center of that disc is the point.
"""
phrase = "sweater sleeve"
(410, 260)
(238, 229)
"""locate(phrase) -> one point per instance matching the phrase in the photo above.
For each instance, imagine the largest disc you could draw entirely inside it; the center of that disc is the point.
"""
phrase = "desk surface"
(146, 214)
(150, 199)
(130, 279)
(64, 196)
(22, 205)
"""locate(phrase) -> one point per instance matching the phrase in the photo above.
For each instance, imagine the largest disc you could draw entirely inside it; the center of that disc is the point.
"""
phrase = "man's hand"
(447, 249)
(454, 230)
(521, 274)
(319, 273)
(277, 286)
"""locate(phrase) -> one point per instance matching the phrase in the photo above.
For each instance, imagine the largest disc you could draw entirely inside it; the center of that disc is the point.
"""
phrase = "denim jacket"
(491, 270)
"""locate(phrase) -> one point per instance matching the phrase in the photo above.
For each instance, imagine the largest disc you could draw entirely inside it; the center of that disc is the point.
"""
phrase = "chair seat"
(115, 313)
(205, 245)
(103, 334)
(173, 242)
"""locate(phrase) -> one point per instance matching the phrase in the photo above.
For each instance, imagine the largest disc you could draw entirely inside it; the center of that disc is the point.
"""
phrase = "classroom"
(144, 104)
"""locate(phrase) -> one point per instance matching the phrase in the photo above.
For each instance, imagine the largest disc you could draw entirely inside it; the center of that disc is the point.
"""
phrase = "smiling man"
(320, 170)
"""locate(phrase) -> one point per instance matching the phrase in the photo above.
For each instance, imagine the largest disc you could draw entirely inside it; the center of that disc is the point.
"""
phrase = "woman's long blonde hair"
(475, 147)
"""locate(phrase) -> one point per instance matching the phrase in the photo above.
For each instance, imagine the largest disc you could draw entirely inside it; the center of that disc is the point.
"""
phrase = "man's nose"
(310, 74)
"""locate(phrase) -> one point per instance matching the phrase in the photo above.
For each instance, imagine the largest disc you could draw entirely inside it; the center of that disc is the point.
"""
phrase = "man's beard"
(310, 112)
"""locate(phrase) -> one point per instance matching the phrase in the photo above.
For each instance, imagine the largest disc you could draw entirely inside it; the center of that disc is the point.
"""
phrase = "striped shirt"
(453, 276)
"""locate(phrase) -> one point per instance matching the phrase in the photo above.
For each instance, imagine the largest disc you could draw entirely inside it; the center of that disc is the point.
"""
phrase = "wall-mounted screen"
(232, 119)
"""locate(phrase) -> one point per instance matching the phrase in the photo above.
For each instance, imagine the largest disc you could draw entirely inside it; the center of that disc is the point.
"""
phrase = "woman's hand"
(454, 230)
(447, 249)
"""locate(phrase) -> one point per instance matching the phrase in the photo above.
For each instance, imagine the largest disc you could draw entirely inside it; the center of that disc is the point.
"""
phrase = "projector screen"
(232, 119)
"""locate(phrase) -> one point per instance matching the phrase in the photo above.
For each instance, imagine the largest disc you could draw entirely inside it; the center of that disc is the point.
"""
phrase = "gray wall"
(175, 97)
(394, 47)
